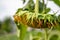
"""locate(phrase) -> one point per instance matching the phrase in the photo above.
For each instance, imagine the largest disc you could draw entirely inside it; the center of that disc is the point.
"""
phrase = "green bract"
(31, 19)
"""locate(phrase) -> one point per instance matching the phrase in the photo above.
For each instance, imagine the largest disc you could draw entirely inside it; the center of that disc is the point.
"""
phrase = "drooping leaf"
(47, 10)
(29, 6)
(56, 2)
(59, 18)
(18, 10)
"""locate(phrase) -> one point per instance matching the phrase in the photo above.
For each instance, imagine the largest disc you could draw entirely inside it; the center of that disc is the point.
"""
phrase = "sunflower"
(39, 21)
(36, 19)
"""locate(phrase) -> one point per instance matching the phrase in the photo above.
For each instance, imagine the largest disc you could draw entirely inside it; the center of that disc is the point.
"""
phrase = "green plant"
(6, 25)
(35, 17)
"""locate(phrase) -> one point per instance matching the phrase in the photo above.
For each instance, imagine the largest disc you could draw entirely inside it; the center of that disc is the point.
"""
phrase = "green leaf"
(54, 37)
(41, 7)
(29, 6)
(18, 10)
(56, 2)
(47, 10)
(59, 18)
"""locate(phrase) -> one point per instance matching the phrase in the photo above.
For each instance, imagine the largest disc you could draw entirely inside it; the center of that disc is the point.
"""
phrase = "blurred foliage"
(56, 2)
(54, 37)
(0, 24)
(6, 26)
(9, 37)
(28, 34)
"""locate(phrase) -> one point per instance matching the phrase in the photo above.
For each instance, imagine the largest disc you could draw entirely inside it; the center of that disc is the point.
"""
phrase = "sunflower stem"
(23, 30)
(37, 7)
(46, 34)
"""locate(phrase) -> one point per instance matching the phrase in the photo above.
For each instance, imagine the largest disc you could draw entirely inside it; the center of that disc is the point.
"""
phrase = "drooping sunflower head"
(36, 20)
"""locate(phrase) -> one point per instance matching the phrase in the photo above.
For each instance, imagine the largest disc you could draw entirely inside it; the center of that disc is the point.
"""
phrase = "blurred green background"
(7, 29)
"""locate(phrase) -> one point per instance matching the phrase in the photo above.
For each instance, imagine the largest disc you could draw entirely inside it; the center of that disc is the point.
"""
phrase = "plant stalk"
(46, 34)
(37, 7)
(23, 30)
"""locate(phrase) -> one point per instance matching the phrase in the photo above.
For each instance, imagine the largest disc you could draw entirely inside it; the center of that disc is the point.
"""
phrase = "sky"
(9, 7)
